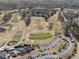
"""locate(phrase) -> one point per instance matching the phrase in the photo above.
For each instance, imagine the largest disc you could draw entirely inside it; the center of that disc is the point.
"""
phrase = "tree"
(50, 26)
(7, 17)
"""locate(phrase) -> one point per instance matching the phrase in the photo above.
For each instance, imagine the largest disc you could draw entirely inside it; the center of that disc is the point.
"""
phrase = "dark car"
(13, 54)
(20, 46)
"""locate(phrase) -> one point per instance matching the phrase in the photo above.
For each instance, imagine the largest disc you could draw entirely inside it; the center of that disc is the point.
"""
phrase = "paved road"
(66, 51)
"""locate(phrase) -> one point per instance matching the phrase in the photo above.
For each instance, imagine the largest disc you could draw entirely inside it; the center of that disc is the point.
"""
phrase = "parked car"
(13, 54)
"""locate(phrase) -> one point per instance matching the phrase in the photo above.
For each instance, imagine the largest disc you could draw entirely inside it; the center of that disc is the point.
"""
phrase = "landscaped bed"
(40, 36)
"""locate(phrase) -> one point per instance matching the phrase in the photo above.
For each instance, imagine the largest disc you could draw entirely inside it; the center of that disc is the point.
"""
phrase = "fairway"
(40, 36)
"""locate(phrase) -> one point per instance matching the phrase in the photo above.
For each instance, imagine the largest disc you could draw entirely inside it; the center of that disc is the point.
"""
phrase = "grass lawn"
(40, 36)
(18, 35)
(15, 19)
(39, 27)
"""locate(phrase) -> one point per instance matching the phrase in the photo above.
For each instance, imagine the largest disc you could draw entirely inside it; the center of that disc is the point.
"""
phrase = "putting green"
(40, 36)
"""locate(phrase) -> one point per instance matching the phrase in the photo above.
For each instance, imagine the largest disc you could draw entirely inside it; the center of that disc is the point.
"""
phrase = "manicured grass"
(18, 35)
(40, 36)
